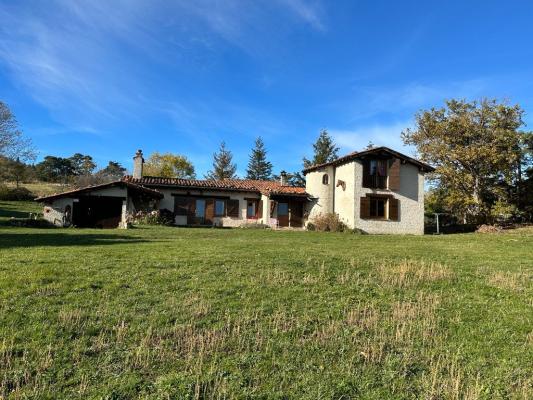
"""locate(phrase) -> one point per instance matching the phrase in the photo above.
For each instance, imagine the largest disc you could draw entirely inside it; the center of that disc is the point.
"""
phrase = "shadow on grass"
(7, 213)
(11, 240)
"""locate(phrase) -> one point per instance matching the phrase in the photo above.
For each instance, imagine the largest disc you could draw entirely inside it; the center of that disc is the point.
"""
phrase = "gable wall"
(411, 207)
(345, 198)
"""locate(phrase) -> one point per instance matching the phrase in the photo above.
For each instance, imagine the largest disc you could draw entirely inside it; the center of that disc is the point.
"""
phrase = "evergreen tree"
(325, 150)
(223, 167)
(258, 166)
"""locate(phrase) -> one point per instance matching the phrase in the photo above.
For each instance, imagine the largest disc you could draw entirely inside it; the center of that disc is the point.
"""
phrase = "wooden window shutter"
(366, 174)
(365, 207)
(394, 174)
(233, 208)
(191, 210)
(260, 209)
(209, 210)
(180, 205)
(394, 207)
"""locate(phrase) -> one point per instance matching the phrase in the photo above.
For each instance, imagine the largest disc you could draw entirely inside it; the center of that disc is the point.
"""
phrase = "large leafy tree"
(113, 171)
(169, 165)
(223, 166)
(13, 144)
(259, 167)
(477, 150)
(55, 169)
(82, 164)
(325, 150)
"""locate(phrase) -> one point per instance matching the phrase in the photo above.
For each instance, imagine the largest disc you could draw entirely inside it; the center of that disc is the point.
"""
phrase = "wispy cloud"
(80, 60)
(310, 12)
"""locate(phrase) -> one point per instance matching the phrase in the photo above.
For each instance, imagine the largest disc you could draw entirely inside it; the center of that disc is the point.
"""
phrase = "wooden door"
(283, 214)
(296, 214)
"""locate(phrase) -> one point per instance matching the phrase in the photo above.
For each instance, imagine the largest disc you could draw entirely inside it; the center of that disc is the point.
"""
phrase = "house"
(377, 190)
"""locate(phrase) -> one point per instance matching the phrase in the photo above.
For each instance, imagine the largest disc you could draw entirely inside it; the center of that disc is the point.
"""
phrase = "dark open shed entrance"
(97, 212)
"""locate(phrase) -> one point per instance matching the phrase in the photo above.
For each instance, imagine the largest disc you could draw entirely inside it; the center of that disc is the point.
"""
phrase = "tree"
(324, 148)
(14, 170)
(258, 166)
(82, 164)
(477, 150)
(223, 167)
(13, 144)
(55, 169)
(295, 179)
(114, 171)
(169, 166)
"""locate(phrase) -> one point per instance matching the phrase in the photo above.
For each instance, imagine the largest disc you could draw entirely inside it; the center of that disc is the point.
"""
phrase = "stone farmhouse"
(377, 190)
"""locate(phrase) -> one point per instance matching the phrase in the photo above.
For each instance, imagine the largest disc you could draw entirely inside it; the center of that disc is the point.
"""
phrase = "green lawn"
(159, 313)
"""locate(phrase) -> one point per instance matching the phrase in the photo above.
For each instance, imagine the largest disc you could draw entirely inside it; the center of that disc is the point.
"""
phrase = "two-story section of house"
(377, 190)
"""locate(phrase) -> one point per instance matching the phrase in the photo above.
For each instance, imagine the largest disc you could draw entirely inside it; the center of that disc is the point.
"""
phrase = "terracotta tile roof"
(359, 154)
(85, 189)
(263, 187)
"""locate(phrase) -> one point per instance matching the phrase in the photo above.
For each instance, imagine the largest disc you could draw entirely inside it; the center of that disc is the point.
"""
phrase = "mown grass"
(160, 313)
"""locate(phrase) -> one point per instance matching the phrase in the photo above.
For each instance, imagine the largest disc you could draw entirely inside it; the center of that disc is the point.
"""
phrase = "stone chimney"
(283, 178)
(138, 162)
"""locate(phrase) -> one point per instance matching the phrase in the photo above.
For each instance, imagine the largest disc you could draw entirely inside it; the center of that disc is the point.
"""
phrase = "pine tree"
(223, 167)
(258, 166)
(325, 150)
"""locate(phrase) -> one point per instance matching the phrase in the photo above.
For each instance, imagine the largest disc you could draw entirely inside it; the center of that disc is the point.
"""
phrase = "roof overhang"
(377, 151)
(88, 189)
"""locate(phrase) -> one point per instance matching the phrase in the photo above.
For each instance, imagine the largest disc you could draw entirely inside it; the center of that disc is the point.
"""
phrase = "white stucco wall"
(411, 206)
(53, 212)
(322, 195)
(345, 198)
(168, 203)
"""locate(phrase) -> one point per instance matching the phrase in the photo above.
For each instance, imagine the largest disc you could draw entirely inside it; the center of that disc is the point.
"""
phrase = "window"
(251, 209)
(200, 209)
(220, 206)
(283, 209)
(377, 207)
(375, 174)
(325, 179)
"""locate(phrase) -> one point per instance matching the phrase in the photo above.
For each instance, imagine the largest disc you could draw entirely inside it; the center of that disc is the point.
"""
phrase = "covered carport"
(99, 206)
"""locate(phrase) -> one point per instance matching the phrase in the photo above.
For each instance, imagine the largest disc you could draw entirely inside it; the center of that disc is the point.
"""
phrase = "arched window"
(325, 179)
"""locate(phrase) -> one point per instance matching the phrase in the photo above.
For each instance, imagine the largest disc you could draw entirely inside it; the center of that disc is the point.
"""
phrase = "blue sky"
(107, 77)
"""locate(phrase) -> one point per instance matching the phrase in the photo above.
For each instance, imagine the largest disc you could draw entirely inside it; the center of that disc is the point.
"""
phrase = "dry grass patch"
(412, 272)
(516, 281)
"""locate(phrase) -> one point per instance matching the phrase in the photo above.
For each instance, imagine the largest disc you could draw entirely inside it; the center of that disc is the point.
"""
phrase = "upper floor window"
(375, 173)
(325, 179)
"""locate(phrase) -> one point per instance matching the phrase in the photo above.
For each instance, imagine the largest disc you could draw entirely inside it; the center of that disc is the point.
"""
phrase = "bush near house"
(163, 312)
(329, 222)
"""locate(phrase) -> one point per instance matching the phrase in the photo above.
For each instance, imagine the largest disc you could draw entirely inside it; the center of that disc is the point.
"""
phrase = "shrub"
(155, 217)
(329, 222)
(15, 194)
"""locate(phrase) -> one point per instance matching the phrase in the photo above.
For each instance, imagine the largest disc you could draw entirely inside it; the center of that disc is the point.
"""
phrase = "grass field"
(41, 188)
(163, 313)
